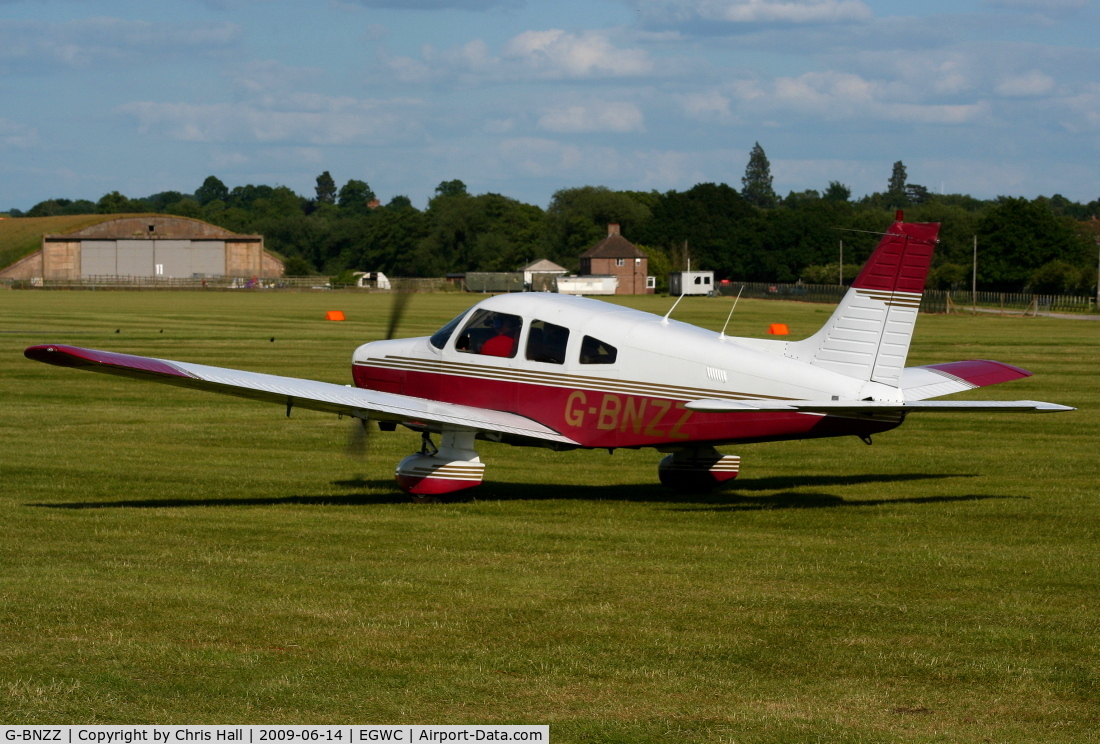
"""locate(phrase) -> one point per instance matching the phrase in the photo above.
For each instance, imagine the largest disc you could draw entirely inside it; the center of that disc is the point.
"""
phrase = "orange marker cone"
(778, 329)
(334, 315)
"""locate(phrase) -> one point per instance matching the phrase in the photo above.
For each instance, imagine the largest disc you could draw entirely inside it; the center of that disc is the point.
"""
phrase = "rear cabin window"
(439, 338)
(490, 334)
(594, 351)
(546, 342)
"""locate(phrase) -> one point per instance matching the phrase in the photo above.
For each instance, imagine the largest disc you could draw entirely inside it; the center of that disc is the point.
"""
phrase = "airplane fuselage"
(634, 400)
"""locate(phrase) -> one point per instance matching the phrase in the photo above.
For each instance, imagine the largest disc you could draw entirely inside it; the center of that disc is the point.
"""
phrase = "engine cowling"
(697, 470)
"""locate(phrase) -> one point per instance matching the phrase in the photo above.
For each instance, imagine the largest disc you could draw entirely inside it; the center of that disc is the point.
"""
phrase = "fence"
(932, 301)
(299, 283)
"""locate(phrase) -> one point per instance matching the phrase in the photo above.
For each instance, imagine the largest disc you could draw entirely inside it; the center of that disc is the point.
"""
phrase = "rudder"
(868, 335)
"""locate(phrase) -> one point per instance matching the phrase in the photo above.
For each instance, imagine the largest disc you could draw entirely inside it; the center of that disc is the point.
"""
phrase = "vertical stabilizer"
(868, 335)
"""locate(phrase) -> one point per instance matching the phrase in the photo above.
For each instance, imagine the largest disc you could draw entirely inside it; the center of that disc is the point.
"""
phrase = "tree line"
(1045, 245)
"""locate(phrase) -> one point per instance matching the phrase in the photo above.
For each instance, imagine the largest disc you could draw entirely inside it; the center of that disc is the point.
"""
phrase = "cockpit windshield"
(439, 338)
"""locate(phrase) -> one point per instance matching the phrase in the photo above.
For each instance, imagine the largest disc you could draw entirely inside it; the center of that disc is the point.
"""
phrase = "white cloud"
(262, 77)
(831, 96)
(430, 5)
(758, 11)
(307, 119)
(556, 53)
(542, 158)
(13, 134)
(84, 43)
(1039, 5)
(533, 156)
(710, 105)
(1032, 83)
(612, 116)
(552, 54)
(1085, 107)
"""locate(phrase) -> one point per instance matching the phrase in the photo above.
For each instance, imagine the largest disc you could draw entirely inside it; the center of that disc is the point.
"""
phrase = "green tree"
(296, 266)
(116, 203)
(837, 192)
(577, 219)
(55, 207)
(488, 232)
(895, 187)
(796, 199)
(326, 189)
(450, 188)
(243, 197)
(716, 222)
(756, 185)
(917, 194)
(354, 197)
(1056, 277)
(212, 189)
(185, 207)
(1018, 236)
(949, 276)
(160, 202)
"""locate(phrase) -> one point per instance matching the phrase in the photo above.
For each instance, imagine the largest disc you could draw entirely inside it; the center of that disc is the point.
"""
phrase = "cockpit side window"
(439, 338)
(490, 334)
(546, 342)
(594, 351)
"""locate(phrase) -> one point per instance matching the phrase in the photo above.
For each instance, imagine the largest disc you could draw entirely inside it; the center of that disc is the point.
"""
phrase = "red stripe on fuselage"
(600, 419)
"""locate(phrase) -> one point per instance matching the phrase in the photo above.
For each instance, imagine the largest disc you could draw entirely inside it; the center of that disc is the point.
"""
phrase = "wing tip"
(61, 355)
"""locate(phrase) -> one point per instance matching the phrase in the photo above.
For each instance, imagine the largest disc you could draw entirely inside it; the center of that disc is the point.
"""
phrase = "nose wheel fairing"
(454, 466)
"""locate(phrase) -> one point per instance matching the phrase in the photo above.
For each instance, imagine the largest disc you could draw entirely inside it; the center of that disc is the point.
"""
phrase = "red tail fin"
(868, 335)
(901, 260)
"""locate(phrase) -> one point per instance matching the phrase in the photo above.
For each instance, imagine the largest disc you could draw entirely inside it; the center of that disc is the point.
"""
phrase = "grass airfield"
(170, 556)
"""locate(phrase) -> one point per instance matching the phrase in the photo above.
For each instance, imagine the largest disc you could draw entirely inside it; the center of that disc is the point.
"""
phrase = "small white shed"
(588, 285)
(691, 282)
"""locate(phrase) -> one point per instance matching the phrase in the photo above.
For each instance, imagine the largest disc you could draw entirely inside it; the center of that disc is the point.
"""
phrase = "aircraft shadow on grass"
(732, 499)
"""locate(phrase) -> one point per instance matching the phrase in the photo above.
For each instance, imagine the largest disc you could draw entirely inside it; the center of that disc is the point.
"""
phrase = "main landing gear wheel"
(697, 470)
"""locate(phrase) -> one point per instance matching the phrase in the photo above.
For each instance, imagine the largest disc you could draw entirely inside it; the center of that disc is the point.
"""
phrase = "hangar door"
(187, 258)
(97, 258)
(164, 258)
(134, 257)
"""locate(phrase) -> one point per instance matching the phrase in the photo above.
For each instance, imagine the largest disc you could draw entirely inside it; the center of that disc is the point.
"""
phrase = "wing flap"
(871, 407)
(291, 391)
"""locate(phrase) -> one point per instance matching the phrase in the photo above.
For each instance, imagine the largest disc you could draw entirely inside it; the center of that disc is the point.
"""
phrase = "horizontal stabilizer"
(870, 407)
(934, 380)
(296, 393)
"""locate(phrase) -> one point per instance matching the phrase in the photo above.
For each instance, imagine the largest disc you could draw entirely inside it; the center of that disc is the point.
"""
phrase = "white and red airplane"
(565, 372)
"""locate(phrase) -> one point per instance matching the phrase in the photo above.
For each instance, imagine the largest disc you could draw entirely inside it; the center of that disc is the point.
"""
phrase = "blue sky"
(985, 97)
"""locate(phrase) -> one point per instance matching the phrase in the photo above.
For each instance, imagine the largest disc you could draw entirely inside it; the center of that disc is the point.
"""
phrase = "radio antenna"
(722, 335)
(664, 320)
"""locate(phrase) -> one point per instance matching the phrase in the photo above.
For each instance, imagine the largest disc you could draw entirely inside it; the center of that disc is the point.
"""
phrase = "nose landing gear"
(432, 472)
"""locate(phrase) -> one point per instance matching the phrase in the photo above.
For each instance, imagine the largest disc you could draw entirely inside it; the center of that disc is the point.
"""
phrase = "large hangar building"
(156, 246)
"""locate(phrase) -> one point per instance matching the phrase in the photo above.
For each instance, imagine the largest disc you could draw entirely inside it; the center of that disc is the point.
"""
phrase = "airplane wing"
(294, 392)
(871, 407)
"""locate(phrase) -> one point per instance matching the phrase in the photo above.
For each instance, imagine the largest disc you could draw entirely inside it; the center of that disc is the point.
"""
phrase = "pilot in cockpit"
(503, 344)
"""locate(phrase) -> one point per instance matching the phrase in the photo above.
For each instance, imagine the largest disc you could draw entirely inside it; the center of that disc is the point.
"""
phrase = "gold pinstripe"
(534, 377)
(728, 464)
(893, 299)
(447, 471)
